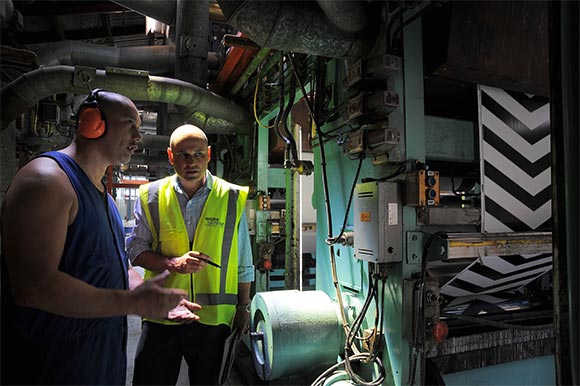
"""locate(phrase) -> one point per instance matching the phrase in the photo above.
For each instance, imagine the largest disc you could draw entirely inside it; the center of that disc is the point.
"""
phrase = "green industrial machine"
(398, 200)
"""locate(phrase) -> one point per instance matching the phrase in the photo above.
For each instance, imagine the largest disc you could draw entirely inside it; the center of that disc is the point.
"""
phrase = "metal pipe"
(348, 16)
(294, 26)
(210, 111)
(192, 41)
(287, 26)
(155, 59)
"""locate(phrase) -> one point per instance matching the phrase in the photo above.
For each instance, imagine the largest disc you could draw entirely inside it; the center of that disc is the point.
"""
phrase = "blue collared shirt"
(141, 239)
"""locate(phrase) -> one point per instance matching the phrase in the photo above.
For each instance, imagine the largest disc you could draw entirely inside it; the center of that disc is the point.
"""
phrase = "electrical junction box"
(378, 217)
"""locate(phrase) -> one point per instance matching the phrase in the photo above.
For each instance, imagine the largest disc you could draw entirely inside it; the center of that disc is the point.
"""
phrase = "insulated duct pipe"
(294, 26)
(348, 16)
(192, 43)
(282, 25)
(154, 59)
(211, 112)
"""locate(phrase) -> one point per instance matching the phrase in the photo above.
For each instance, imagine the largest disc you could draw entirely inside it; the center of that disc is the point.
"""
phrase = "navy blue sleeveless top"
(60, 350)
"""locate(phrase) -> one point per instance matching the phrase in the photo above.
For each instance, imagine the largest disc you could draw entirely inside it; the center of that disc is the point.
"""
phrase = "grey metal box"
(378, 216)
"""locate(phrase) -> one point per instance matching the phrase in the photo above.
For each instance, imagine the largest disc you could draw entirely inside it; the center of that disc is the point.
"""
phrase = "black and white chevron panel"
(515, 156)
(496, 274)
(516, 192)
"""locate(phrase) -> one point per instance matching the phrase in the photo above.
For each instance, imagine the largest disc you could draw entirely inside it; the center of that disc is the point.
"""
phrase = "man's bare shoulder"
(41, 172)
(40, 181)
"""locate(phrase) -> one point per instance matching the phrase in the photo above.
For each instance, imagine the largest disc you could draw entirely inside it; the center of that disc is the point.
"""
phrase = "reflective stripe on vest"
(216, 236)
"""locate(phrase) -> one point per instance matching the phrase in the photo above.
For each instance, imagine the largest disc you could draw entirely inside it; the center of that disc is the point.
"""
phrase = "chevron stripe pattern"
(515, 149)
(516, 191)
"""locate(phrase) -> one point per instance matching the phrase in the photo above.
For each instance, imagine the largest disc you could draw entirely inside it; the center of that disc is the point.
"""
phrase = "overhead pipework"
(300, 27)
(317, 28)
(154, 59)
(210, 111)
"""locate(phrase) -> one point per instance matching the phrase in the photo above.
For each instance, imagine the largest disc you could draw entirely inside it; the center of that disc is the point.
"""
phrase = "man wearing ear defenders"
(180, 221)
(67, 285)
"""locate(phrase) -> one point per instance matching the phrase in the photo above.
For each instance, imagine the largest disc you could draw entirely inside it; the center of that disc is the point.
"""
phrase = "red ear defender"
(90, 118)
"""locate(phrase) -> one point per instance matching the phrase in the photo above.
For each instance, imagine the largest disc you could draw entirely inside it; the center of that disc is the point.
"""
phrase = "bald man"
(193, 225)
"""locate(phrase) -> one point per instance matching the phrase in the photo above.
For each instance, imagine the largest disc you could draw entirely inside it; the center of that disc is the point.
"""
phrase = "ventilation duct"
(209, 111)
(348, 16)
(294, 26)
(154, 59)
(297, 26)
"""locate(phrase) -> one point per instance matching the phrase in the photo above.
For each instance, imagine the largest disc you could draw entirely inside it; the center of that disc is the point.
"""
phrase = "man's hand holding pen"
(190, 262)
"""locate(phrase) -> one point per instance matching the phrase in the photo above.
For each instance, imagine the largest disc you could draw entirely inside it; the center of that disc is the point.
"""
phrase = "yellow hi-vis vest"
(216, 235)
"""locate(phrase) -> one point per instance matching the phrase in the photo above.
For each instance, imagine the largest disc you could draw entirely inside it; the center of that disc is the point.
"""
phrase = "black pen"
(209, 262)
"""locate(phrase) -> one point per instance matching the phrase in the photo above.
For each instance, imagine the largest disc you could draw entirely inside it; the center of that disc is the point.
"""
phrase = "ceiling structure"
(45, 36)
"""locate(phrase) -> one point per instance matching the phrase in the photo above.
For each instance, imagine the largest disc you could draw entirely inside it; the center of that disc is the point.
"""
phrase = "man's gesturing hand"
(183, 313)
(150, 299)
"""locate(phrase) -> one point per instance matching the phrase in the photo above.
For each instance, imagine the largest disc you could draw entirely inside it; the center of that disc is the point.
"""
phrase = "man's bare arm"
(38, 209)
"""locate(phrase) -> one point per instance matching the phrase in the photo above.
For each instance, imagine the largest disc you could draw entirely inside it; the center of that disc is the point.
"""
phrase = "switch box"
(422, 188)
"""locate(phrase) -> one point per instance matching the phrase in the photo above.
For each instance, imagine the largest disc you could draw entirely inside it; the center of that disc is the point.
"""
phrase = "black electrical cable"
(382, 316)
(312, 113)
(462, 194)
(365, 358)
(373, 294)
(376, 328)
(407, 22)
(360, 317)
(289, 138)
(281, 95)
(400, 170)
(334, 240)
(396, 13)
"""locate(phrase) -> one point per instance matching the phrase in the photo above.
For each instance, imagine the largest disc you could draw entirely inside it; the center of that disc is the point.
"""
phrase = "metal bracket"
(193, 46)
(414, 247)
(83, 76)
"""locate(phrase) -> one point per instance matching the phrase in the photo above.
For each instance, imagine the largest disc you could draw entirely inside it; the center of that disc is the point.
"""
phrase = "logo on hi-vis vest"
(213, 222)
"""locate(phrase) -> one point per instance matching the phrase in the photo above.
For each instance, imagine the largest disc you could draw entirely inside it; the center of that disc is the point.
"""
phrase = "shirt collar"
(177, 185)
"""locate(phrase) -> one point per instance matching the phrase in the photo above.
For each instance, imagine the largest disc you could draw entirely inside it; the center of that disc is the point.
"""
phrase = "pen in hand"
(208, 261)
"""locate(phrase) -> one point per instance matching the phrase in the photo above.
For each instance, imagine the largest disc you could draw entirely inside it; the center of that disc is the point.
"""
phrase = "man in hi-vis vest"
(193, 225)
